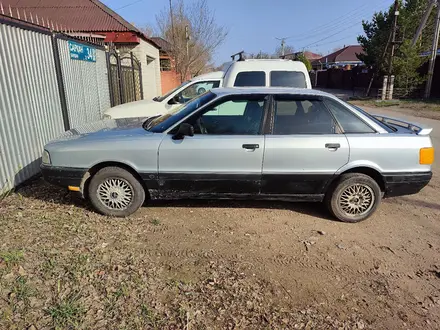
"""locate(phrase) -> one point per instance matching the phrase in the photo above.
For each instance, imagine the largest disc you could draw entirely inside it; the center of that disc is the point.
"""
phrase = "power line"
(326, 25)
(129, 4)
(313, 43)
(338, 22)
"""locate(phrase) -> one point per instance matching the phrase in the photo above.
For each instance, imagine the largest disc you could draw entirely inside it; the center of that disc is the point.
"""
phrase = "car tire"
(201, 90)
(115, 192)
(353, 197)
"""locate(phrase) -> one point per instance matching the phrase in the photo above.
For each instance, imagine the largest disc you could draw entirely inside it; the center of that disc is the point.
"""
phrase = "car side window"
(302, 117)
(250, 79)
(349, 122)
(197, 89)
(287, 79)
(231, 117)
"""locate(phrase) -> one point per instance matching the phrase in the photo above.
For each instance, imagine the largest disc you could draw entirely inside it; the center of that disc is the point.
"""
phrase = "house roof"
(311, 56)
(164, 45)
(346, 54)
(74, 15)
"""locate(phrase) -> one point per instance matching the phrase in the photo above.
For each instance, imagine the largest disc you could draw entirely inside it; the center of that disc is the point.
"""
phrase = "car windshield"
(161, 123)
(161, 98)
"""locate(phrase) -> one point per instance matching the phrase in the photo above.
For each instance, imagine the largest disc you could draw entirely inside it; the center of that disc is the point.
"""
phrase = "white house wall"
(151, 82)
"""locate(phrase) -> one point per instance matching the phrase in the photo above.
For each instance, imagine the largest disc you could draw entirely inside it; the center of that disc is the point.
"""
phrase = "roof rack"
(240, 56)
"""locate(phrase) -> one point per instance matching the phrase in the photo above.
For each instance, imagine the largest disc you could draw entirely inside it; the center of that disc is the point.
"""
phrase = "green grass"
(67, 313)
(13, 257)
(150, 318)
(415, 104)
(21, 291)
(155, 222)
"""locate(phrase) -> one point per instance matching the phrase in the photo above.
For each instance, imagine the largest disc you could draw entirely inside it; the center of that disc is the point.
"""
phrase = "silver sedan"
(262, 143)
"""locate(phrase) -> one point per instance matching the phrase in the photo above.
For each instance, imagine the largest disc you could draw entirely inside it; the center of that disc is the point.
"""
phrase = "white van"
(242, 73)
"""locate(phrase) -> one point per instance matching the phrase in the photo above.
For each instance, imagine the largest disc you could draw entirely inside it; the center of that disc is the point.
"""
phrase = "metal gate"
(125, 78)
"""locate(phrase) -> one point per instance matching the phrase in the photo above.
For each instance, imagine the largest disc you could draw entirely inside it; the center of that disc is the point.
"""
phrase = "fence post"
(384, 88)
(110, 79)
(133, 76)
(60, 81)
(121, 83)
(140, 80)
(391, 88)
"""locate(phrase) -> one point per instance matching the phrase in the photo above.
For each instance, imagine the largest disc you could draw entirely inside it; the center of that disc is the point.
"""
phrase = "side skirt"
(175, 195)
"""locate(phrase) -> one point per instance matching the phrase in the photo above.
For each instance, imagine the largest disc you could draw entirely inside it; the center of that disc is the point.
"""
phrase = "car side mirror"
(175, 99)
(185, 129)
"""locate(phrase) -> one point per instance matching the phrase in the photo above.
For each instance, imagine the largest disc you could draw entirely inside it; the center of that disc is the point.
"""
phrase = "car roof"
(268, 90)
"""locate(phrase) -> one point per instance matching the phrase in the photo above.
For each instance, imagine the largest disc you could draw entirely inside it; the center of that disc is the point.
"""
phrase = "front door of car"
(305, 149)
(225, 155)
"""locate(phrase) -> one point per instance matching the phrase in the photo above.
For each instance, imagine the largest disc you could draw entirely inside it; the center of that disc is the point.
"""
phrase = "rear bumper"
(63, 176)
(400, 184)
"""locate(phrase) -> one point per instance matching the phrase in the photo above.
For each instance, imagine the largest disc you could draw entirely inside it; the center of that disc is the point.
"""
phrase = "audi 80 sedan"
(259, 143)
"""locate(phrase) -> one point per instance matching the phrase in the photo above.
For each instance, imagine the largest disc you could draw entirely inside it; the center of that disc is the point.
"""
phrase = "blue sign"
(82, 52)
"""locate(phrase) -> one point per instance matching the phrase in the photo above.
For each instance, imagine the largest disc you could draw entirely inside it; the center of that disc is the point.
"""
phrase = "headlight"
(45, 158)
(105, 116)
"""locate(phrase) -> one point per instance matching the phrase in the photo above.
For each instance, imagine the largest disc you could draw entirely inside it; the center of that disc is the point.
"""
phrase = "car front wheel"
(115, 192)
(354, 198)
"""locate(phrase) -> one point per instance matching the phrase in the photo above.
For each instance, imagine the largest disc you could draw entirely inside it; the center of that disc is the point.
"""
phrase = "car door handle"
(250, 146)
(332, 146)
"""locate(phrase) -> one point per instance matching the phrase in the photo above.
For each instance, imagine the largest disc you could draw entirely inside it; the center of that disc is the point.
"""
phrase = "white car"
(242, 73)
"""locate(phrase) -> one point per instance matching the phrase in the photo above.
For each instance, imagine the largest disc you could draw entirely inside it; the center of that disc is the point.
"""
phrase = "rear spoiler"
(419, 129)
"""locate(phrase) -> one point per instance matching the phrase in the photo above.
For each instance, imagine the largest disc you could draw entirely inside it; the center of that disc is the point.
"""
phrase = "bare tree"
(147, 29)
(193, 33)
(287, 50)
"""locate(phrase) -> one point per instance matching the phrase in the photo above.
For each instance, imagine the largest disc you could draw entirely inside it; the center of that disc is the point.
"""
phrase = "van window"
(287, 79)
(250, 79)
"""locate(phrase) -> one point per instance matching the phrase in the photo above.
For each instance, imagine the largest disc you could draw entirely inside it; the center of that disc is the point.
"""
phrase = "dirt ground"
(218, 265)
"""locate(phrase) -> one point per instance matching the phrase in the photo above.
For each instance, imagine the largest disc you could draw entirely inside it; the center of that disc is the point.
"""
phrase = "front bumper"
(63, 176)
(400, 184)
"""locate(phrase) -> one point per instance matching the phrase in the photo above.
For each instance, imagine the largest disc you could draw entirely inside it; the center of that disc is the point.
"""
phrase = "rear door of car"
(304, 149)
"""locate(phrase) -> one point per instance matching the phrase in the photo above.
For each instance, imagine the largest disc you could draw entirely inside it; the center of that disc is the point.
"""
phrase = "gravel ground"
(218, 265)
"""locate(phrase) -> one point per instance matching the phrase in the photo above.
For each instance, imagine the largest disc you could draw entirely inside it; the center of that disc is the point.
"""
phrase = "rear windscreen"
(250, 79)
(287, 79)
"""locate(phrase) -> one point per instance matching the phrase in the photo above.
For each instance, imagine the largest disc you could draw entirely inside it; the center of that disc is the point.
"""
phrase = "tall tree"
(193, 33)
(377, 44)
(301, 57)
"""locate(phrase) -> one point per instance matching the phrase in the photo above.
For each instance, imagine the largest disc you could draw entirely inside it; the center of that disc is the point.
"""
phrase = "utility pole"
(393, 45)
(433, 55)
(187, 38)
(423, 22)
(172, 22)
(283, 44)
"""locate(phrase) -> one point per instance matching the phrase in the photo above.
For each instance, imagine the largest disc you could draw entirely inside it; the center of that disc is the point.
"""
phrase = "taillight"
(426, 156)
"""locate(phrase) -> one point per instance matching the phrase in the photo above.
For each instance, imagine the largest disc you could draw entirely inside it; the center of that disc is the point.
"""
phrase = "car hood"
(105, 129)
(142, 108)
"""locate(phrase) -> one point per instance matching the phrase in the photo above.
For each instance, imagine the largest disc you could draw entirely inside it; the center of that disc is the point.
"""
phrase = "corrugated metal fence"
(32, 110)
(85, 84)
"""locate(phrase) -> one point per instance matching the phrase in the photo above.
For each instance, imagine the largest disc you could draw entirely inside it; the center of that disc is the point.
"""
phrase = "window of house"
(165, 64)
(150, 59)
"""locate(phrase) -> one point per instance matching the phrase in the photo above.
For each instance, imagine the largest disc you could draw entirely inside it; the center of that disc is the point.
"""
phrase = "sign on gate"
(82, 52)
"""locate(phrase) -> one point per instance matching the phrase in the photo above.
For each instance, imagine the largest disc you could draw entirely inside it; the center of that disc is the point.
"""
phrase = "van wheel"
(354, 197)
(115, 192)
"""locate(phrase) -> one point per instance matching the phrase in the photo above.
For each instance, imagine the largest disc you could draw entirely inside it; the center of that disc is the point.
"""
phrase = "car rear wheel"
(115, 192)
(354, 197)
